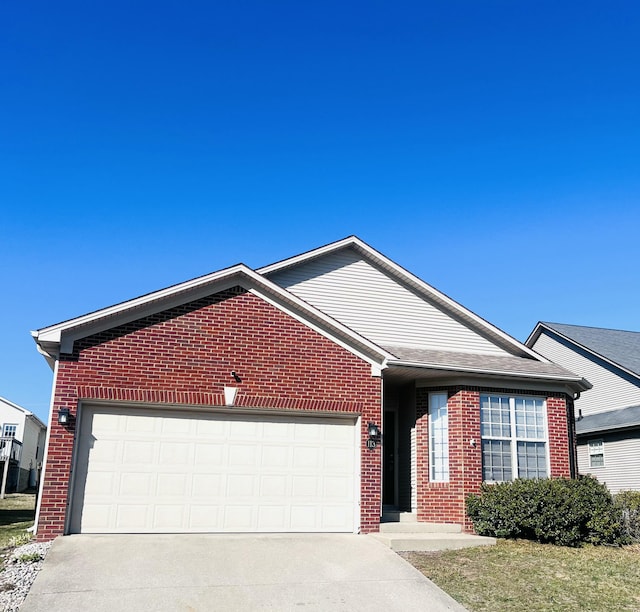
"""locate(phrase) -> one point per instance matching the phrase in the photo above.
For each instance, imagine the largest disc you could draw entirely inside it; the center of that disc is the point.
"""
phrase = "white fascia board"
(37, 421)
(541, 327)
(515, 384)
(53, 333)
(308, 255)
(410, 279)
(533, 336)
(15, 406)
(581, 382)
(60, 337)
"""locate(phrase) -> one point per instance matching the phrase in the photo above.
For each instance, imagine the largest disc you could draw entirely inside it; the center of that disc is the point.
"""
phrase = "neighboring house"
(22, 443)
(608, 417)
(252, 401)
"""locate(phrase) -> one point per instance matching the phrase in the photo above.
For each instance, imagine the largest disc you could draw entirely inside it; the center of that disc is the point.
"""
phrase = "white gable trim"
(412, 281)
(60, 337)
(541, 327)
(27, 413)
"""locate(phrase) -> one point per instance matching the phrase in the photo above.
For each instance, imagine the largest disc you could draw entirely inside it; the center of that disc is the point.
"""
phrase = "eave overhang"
(436, 373)
(59, 338)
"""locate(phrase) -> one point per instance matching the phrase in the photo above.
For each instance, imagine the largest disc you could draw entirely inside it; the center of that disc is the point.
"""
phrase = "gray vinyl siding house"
(608, 415)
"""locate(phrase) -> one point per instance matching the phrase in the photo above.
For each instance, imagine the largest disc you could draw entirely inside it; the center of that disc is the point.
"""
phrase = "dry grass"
(522, 575)
(17, 512)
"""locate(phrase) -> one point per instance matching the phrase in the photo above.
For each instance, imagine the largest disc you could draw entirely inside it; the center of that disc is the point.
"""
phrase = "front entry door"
(389, 459)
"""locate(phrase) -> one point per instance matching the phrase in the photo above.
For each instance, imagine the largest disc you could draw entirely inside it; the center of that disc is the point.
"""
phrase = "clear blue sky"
(492, 148)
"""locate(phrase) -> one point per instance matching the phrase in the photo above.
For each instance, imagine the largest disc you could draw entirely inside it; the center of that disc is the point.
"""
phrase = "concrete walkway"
(229, 572)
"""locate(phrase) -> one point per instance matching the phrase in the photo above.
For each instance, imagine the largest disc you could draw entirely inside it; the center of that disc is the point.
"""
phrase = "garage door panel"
(99, 482)
(159, 471)
(335, 458)
(335, 487)
(304, 517)
(274, 457)
(207, 485)
(242, 455)
(306, 457)
(135, 451)
(167, 516)
(273, 486)
(137, 484)
(173, 485)
(140, 424)
(305, 486)
(209, 454)
(133, 517)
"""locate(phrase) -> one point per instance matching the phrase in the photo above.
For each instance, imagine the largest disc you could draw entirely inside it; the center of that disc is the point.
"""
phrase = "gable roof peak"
(618, 347)
(402, 275)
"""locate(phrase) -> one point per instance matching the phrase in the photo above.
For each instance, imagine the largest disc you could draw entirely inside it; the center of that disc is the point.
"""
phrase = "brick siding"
(185, 356)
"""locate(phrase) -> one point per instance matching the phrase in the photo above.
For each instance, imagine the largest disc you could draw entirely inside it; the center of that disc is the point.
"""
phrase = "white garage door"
(154, 471)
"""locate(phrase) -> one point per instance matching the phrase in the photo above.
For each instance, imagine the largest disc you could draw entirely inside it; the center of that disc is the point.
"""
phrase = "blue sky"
(492, 148)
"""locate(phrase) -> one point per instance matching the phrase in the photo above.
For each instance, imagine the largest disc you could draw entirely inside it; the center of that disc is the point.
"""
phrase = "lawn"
(521, 575)
(17, 512)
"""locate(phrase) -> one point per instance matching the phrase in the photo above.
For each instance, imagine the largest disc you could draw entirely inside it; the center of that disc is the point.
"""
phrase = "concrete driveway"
(229, 572)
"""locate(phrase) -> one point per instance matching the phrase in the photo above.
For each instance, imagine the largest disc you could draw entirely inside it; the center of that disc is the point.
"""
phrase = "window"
(514, 437)
(438, 437)
(596, 453)
(9, 430)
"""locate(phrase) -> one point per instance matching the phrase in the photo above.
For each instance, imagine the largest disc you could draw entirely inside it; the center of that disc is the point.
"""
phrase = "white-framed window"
(438, 438)
(514, 437)
(596, 453)
(9, 430)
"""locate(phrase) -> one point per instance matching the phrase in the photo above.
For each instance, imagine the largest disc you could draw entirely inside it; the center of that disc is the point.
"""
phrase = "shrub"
(559, 511)
(629, 504)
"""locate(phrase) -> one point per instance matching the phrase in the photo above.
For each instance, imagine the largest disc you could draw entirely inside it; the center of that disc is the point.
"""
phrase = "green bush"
(629, 504)
(559, 511)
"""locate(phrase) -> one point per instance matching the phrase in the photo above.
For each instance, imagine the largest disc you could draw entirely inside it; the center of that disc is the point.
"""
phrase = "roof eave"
(575, 382)
(606, 428)
(51, 340)
(535, 334)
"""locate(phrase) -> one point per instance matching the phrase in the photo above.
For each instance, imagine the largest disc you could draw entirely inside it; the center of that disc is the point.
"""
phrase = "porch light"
(63, 416)
(374, 430)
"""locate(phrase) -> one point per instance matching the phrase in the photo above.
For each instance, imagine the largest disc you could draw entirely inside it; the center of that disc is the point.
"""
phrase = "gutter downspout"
(573, 439)
(46, 448)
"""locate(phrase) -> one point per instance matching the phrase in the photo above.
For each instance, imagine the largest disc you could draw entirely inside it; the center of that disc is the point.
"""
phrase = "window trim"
(592, 454)
(513, 438)
(432, 464)
(4, 430)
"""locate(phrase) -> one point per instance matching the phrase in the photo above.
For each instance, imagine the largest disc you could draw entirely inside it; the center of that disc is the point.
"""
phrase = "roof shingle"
(620, 347)
(483, 363)
(611, 419)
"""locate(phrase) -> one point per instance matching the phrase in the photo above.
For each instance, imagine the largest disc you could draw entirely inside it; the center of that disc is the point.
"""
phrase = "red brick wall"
(185, 356)
(445, 502)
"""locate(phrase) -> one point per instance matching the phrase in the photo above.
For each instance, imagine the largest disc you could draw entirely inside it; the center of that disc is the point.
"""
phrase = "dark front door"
(389, 459)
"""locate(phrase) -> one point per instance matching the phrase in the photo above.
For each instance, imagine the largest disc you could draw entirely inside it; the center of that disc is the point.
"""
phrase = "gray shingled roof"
(482, 363)
(611, 419)
(621, 347)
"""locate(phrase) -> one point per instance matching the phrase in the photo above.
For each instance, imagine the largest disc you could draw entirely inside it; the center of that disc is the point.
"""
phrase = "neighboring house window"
(9, 430)
(514, 437)
(438, 437)
(596, 453)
